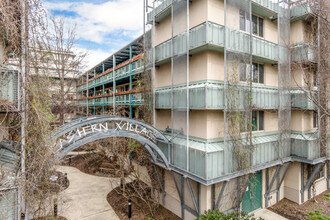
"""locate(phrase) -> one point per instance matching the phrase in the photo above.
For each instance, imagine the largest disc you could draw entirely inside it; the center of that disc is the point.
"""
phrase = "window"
(315, 119)
(257, 72)
(257, 23)
(257, 121)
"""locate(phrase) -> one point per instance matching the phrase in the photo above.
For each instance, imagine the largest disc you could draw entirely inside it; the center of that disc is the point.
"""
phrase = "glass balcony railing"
(121, 72)
(164, 8)
(303, 52)
(213, 34)
(210, 95)
(300, 12)
(137, 99)
(305, 145)
(217, 158)
(299, 99)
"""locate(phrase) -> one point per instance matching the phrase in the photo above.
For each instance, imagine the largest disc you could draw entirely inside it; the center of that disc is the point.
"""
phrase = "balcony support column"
(114, 85)
(130, 81)
(87, 91)
(310, 179)
(94, 94)
(215, 206)
(103, 102)
(328, 174)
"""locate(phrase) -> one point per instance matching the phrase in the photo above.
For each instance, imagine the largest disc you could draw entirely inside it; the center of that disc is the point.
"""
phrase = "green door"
(252, 197)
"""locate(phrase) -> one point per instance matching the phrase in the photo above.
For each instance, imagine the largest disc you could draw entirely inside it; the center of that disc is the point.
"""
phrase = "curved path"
(85, 198)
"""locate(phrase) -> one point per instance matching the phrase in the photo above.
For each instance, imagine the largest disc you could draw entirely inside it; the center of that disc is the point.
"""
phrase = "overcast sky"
(103, 26)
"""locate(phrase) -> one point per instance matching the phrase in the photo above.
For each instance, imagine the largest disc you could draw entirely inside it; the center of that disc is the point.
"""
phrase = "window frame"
(247, 69)
(248, 23)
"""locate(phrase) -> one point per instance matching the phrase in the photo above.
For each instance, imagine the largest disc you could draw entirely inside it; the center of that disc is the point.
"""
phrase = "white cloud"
(94, 57)
(96, 21)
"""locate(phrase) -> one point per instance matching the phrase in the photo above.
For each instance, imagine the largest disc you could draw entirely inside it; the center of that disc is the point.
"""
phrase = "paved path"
(268, 215)
(86, 196)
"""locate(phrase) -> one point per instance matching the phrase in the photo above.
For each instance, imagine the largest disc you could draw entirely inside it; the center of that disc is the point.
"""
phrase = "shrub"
(216, 215)
(317, 215)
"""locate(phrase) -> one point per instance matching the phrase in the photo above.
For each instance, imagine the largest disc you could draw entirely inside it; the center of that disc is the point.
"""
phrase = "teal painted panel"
(253, 197)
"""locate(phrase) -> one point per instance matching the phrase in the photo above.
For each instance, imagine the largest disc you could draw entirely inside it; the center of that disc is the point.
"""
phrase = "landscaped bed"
(94, 164)
(140, 210)
(293, 211)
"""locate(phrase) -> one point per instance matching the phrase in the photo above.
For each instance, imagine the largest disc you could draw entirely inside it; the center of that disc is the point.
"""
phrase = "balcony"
(300, 12)
(303, 52)
(137, 99)
(305, 145)
(210, 95)
(212, 35)
(213, 158)
(216, 158)
(122, 72)
(300, 100)
(263, 7)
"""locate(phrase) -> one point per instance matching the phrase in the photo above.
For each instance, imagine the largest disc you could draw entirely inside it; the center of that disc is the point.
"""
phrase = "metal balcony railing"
(211, 95)
(215, 158)
(137, 99)
(300, 12)
(303, 52)
(213, 34)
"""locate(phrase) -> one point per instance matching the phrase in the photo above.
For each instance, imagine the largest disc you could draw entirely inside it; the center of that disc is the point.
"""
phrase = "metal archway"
(88, 129)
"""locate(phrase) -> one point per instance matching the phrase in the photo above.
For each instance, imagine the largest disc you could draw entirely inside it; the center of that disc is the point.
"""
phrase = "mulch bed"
(94, 164)
(120, 205)
(293, 211)
(50, 218)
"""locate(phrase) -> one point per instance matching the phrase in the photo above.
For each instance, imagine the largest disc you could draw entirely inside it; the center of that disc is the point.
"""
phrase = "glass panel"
(261, 73)
(261, 27)
(261, 120)
(255, 72)
(254, 24)
(242, 20)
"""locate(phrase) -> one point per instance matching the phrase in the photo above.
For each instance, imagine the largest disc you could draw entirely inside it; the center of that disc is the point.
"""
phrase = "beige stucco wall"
(202, 124)
(292, 183)
(270, 121)
(270, 75)
(163, 119)
(300, 31)
(163, 31)
(207, 10)
(163, 75)
(207, 65)
(3, 127)
(301, 120)
(216, 15)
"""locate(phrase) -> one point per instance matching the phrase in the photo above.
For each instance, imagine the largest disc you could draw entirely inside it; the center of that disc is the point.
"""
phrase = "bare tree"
(316, 73)
(60, 61)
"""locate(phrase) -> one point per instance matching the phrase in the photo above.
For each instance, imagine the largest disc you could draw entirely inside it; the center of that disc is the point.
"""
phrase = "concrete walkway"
(86, 196)
(268, 215)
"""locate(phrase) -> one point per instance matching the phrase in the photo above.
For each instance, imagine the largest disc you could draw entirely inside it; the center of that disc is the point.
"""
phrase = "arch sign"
(88, 129)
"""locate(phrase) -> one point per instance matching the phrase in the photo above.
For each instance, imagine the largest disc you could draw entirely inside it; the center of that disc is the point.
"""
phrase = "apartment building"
(114, 83)
(244, 135)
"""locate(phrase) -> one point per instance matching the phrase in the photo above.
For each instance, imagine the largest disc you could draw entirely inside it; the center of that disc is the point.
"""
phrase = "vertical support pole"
(130, 81)
(87, 93)
(213, 196)
(187, 85)
(103, 99)
(198, 197)
(114, 84)
(302, 183)
(94, 94)
(182, 197)
(267, 187)
(277, 185)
